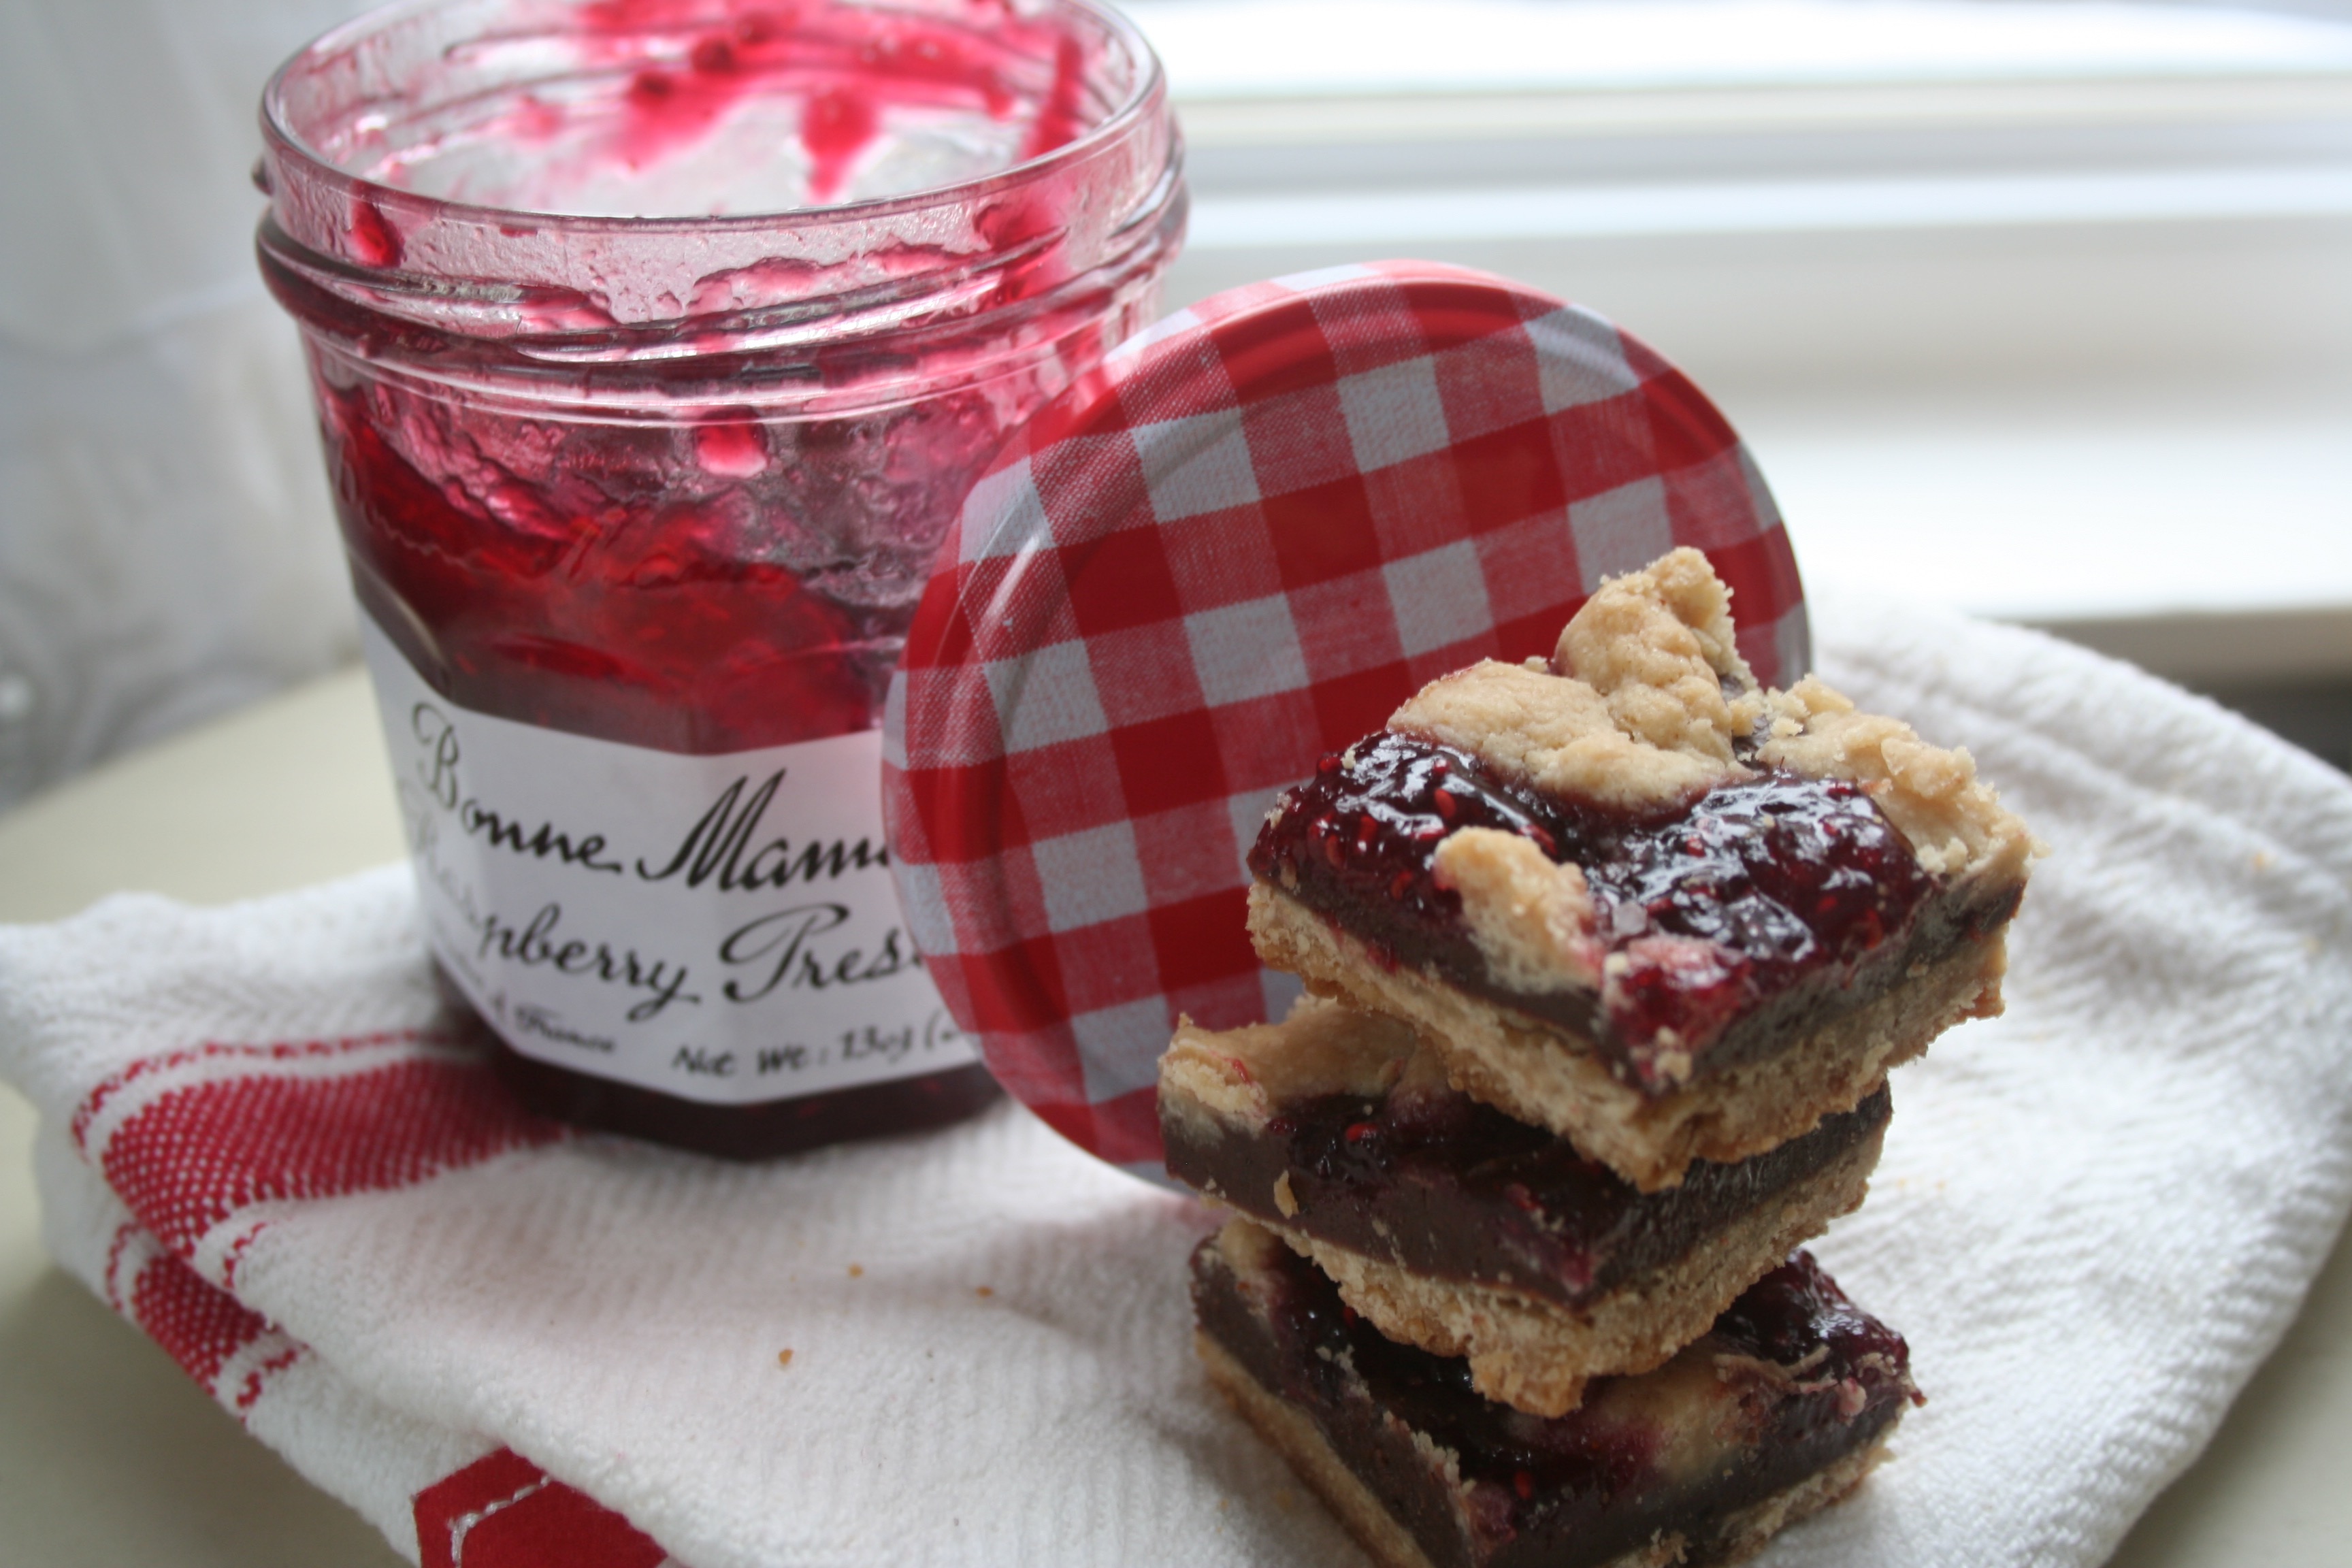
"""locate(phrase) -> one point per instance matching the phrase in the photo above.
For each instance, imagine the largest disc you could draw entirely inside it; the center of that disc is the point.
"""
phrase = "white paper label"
(720, 927)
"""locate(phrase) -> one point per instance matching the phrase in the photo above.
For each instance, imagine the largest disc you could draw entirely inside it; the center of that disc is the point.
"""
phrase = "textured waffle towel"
(508, 1346)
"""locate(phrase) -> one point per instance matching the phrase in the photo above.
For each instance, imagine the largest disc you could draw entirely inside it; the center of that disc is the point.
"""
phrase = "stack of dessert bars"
(1608, 958)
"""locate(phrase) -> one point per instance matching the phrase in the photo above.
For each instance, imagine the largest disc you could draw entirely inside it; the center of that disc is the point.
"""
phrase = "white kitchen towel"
(510, 1347)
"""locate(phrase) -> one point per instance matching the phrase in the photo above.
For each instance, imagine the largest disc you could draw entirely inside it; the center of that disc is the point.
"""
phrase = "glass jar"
(655, 343)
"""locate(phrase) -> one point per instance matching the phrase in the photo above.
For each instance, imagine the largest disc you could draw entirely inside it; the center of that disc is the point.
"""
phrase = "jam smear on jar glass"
(655, 346)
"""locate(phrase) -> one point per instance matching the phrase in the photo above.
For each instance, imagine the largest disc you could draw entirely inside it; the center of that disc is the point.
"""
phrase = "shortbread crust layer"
(1538, 1073)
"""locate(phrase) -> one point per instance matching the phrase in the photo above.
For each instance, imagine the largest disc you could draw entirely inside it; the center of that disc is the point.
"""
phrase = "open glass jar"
(655, 343)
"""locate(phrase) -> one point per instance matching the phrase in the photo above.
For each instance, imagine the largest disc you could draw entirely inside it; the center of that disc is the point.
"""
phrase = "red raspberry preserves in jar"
(655, 345)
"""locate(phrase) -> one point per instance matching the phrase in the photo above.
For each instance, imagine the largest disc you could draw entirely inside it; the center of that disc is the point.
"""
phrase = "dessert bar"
(1454, 1228)
(1633, 896)
(1781, 1409)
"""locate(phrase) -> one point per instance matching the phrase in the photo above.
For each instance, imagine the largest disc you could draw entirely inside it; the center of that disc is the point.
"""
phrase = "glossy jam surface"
(1796, 1313)
(701, 588)
(1791, 1378)
(1782, 879)
(1452, 1188)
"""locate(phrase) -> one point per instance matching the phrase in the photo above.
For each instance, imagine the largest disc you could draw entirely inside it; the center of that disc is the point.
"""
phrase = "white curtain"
(166, 547)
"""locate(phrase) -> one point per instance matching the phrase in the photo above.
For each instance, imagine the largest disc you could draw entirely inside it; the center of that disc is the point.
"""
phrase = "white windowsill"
(2034, 309)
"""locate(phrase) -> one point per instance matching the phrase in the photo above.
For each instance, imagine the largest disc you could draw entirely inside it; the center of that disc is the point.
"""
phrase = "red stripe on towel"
(502, 1511)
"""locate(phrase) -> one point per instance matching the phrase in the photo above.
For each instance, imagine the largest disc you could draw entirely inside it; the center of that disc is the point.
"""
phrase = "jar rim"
(282, 141)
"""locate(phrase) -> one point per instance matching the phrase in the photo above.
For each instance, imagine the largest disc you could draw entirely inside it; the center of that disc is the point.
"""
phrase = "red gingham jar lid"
(1237, 546)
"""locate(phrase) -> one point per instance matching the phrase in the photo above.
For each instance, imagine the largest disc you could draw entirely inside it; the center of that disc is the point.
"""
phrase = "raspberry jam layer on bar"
(1458, 1229)
(1633, 896)
(1722, 927)
(1781, 1409)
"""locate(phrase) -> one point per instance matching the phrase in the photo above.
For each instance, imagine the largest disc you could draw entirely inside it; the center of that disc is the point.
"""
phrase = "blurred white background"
(166, 550)
(2042, 308)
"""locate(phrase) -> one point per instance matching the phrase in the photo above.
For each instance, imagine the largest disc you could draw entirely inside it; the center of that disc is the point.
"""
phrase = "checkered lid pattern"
(1237, 546)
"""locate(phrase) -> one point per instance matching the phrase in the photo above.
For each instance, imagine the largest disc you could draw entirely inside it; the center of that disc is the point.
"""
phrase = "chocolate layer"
(1442, 1185)
(1810, 902)
(1791, 1381)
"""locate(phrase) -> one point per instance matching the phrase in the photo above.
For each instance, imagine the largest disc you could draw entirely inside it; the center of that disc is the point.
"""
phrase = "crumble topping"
(1557, 733)
(1530, 918)
(1242, 1075)
(1955, 823)
(1631, 713)
(1648, 703)
(1658, 644)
